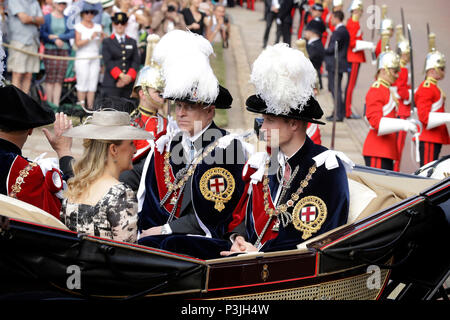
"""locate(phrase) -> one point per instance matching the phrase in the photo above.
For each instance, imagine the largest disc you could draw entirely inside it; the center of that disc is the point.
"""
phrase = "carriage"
(395, 245)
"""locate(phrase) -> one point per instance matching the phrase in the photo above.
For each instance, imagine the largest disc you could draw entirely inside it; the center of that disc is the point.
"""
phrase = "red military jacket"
(430, 98)
(354, 29)
(313, 132)
(27, 181)
(155, 124)
(378, 48)
(380, 102)
(403, 90)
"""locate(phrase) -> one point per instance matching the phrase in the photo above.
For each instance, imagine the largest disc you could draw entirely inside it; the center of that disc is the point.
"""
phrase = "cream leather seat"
(17, 209)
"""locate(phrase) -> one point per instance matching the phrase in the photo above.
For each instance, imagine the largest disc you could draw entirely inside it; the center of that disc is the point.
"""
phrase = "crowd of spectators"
(77, 28)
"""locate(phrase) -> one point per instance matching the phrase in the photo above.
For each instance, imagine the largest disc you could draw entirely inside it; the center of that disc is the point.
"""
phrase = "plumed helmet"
(402, 43)
(434, 58)
(338, 3)
(150, 76)
(386, 23)
(387, 58)
(356, 4)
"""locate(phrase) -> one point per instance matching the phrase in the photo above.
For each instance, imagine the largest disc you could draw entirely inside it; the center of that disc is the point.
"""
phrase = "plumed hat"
(21, 112)
(188, 76)
(284, 80)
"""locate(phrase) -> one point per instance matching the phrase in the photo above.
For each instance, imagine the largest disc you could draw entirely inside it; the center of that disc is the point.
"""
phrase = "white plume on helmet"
(284, 78)
(184, 58)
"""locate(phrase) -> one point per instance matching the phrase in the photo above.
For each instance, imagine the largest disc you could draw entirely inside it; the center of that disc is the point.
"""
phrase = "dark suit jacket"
(342, 36)
(316, 53)
(119, 58)
(284, 13)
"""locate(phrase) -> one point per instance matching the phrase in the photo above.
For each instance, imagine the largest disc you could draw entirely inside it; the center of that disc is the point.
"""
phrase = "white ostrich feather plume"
(284, 78)
(184, 58)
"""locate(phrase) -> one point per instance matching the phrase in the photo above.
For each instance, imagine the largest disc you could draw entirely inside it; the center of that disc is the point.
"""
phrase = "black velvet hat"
(223, 100)
(310, 113)
(21, 112)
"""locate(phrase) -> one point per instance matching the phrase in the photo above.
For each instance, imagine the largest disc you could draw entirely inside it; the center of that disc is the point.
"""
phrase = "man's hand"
(62, 145)
(154, 231)
(239, 245)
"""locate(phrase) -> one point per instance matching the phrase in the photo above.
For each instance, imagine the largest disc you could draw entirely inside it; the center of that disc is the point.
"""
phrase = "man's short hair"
(339, 15)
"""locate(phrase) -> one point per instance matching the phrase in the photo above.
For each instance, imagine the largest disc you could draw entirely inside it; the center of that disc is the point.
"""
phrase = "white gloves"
(391, 125)
(435, 119)
(363, 45)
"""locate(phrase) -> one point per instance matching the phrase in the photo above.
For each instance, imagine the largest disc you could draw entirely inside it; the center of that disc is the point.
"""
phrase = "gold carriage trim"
(217, 184)
(308, 215)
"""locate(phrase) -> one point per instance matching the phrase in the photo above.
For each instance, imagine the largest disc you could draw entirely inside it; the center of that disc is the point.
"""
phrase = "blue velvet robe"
(214, 223)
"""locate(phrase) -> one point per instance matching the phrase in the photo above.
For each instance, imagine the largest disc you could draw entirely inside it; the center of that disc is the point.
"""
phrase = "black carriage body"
(407, 244)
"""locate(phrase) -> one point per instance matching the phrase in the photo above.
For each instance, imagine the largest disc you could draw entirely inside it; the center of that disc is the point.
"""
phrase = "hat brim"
(91, 131)
(310, 113)
(223, 100)
(21, 112)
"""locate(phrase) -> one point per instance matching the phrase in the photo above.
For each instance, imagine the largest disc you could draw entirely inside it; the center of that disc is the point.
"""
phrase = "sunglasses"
(94, 12)
(120, 22)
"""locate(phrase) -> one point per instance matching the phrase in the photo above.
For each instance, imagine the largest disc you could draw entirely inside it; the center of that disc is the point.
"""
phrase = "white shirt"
(338, 25)
(282, 160)
(187, 141)
(120, 38)
(92, 48)
(312, 40)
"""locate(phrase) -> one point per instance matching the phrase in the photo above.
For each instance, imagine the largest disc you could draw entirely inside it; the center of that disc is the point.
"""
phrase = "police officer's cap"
(119, 17)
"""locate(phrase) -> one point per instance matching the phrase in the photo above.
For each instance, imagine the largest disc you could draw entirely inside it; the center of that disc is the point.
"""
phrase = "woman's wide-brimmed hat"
(108, 125)
(87, 6)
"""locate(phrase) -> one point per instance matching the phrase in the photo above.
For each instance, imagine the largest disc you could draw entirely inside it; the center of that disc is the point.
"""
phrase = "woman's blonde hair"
(89, 167)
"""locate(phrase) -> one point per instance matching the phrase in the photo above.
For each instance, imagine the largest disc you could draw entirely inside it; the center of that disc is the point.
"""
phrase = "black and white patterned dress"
(113, 217)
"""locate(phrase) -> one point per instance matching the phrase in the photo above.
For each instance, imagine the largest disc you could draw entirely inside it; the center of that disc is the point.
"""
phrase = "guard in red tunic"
(380, 147)
(354, 58)
(21, 178)
(430, 101)
(148, 88)
(387, 24)
(402, 90)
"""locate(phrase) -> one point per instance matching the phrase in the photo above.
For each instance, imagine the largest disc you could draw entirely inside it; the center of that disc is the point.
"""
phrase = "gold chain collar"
(172, 187)
(281, 210)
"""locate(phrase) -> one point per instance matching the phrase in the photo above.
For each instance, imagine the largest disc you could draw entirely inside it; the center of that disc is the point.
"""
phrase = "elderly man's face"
(192, 117)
